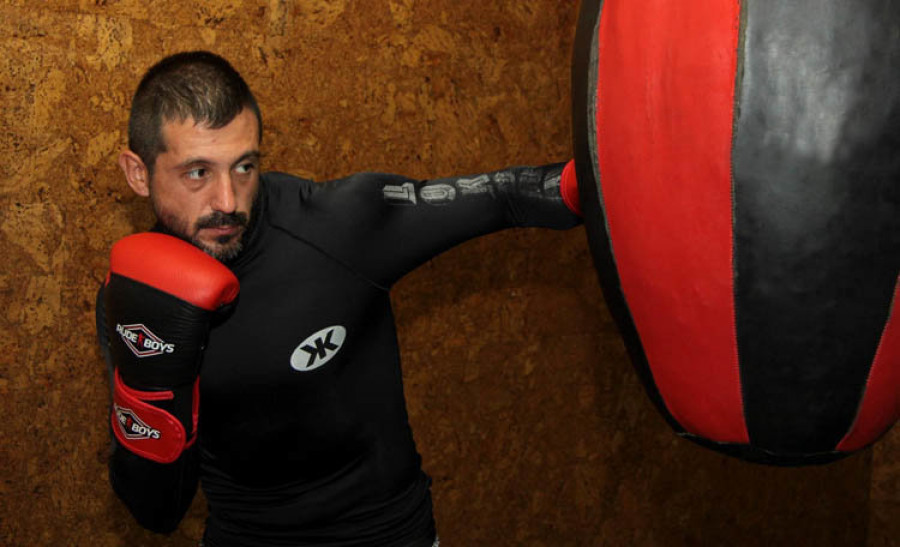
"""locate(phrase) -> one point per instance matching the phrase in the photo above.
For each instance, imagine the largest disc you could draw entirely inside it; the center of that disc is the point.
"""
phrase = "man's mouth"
(223, 235)
(223, 227)
(223, 230)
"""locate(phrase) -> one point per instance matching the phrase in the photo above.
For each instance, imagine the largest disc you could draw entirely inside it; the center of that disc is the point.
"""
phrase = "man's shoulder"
(285, 192)
(278, 178)
(280, 182)
(350, 192)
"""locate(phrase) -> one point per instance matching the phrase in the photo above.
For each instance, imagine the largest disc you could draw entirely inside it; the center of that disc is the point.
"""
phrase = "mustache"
(219, 219)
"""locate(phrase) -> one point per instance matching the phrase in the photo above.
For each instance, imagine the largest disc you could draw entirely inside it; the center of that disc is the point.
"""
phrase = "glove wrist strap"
(148, 430)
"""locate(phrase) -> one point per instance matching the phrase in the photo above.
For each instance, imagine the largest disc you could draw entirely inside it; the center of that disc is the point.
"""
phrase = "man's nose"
(223, 199)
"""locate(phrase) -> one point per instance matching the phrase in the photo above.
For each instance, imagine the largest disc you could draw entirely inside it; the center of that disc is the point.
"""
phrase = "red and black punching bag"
(739, 171)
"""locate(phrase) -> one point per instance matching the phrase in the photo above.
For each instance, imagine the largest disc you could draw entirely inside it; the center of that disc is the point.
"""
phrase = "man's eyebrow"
(253, 154)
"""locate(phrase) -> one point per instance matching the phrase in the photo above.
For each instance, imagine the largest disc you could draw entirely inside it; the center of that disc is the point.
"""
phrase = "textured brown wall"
(524, 405)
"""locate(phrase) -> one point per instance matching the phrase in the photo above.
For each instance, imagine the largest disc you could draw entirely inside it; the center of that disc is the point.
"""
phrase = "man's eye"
(245, 168)
(196, 174)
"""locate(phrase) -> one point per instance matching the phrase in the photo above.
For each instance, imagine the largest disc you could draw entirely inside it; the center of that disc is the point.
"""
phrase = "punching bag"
(739, 170)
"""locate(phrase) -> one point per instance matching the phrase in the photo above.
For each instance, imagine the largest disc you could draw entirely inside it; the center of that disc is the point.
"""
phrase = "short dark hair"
(193, 84)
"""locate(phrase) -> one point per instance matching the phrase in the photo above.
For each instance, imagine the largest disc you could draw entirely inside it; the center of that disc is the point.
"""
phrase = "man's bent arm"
(157, 495)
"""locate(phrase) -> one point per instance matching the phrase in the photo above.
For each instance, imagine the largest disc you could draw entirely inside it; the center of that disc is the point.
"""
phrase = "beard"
(224, 248)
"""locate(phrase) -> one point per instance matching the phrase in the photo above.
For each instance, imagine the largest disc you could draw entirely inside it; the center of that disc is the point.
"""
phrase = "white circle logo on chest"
(318, 349)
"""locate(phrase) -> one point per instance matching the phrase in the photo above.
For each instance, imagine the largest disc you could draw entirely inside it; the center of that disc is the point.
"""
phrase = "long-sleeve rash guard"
(304, 437)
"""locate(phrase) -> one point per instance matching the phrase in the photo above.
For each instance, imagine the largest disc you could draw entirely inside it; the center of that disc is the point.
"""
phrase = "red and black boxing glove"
(160, 296)
(568, 188)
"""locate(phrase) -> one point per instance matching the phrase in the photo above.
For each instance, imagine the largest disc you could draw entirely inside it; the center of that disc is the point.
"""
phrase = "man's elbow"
(157, 502)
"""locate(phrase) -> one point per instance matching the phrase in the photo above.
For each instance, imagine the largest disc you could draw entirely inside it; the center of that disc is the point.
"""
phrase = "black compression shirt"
(304, 436)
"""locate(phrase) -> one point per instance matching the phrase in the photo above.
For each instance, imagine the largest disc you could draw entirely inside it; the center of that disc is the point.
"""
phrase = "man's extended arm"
(386, 225)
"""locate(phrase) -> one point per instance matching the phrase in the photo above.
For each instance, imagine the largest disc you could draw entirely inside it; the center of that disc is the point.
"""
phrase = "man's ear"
(136, 173)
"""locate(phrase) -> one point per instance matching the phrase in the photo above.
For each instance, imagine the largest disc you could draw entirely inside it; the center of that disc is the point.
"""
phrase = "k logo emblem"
(318, 349)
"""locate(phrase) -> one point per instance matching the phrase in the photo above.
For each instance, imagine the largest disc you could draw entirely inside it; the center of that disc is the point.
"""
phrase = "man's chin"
(221, 251)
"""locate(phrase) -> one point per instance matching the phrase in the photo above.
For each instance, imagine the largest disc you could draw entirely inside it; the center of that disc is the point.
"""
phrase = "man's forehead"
(175, 123)
(187, 133)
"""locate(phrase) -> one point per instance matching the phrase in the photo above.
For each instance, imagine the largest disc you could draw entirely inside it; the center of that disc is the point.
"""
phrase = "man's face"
(204, 184)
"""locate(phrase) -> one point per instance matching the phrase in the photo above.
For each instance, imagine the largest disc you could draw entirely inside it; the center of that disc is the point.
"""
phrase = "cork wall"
(525, 409)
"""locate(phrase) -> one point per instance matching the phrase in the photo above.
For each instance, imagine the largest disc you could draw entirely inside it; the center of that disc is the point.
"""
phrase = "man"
(303, 436)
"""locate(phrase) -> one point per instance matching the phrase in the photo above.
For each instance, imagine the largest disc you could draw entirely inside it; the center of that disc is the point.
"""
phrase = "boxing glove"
(159, 298)
(568, 188)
